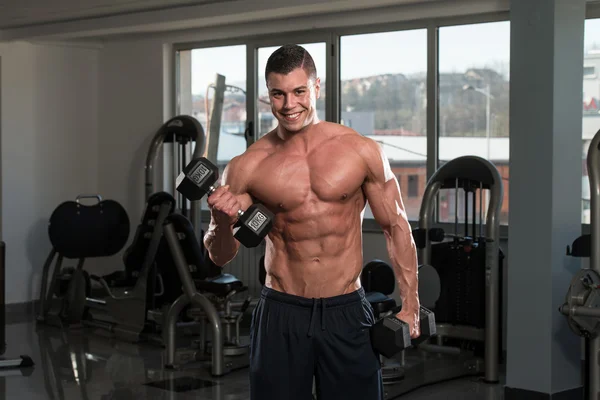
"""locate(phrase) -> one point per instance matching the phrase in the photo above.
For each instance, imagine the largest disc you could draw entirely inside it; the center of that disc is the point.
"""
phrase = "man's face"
(293, 98)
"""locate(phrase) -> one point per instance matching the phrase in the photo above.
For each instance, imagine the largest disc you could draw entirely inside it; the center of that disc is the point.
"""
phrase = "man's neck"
(285, 135)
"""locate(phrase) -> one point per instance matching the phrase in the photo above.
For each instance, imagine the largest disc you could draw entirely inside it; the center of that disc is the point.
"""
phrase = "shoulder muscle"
(241, 169)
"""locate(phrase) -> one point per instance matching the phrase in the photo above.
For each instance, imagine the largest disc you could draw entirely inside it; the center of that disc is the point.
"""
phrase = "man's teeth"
(292, 116)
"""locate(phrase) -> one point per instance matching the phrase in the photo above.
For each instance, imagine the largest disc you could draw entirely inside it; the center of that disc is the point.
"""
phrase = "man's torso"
(313, 182)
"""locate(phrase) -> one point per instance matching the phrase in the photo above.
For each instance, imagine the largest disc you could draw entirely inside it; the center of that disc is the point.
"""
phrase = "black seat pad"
(380, 302)
(220, 285)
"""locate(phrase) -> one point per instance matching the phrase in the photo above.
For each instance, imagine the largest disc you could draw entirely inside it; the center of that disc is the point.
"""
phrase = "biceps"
(235, 177)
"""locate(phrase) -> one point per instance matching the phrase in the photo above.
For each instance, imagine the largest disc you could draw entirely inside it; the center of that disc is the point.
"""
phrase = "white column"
(545, 193)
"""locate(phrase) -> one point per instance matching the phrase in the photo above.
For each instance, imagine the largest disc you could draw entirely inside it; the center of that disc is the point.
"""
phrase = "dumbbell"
(390, 335)
(199, 178)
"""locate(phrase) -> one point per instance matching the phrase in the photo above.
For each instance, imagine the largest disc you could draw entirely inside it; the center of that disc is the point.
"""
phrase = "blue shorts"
(294, 339)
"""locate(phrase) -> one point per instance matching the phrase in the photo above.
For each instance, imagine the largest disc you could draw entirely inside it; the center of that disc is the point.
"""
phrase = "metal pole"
(487, 118)
(579, 311)
(492, 293)
(2, 297)
(214, 128)
(189, 288)
(171, 327)
(593, 164)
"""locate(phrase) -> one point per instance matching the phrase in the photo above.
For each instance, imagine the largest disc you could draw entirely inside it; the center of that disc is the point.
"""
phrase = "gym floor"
(78, 365)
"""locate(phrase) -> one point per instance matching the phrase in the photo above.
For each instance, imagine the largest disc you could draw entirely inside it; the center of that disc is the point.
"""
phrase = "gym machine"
(180, 133)
(582, 301)
(121, 302)
(210, 296)
(127, 301)
(464, 321)
(24, 363)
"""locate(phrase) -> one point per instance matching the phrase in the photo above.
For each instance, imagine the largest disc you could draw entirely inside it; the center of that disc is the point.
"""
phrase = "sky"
(461, 47)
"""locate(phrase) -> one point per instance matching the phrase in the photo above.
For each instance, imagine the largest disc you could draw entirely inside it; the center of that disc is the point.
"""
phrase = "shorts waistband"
(341, 300)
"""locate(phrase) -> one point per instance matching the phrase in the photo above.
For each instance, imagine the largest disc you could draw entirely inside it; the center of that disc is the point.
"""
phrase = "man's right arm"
(224, 203)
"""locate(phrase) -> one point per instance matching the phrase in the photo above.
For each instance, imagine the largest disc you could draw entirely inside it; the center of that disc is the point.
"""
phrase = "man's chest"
(286, 180)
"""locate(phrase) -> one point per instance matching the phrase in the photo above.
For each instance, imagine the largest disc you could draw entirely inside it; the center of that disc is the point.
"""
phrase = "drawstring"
(322, 314)
(312, 316)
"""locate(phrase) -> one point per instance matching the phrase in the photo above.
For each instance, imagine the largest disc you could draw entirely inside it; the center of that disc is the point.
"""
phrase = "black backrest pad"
(134, 256)
(83, 231)
(153, 206)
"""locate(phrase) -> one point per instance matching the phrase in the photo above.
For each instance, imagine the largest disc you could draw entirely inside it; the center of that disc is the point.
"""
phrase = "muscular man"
(312, 318)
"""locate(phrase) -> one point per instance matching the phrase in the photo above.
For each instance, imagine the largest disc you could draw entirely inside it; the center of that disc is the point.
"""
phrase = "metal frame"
(492, 341)
(252, 88)
(578, 302)
(592, 10)
(433, 104)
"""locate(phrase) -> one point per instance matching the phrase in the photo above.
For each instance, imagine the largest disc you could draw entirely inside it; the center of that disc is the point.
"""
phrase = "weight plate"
(429, 286)
(583, 283)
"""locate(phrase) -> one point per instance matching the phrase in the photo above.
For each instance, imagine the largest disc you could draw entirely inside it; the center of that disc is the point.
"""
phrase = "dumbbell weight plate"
(252, 227)
(390, 335)
(426, 325)
(197, 178)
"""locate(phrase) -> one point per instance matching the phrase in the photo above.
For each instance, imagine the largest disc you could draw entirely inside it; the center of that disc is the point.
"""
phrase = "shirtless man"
(312, 318)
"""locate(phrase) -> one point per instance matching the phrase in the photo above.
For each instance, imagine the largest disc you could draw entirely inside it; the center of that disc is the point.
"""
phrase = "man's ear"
(317, 88)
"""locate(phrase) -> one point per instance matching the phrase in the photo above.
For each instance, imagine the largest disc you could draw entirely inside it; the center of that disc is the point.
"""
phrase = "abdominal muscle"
(317, 257)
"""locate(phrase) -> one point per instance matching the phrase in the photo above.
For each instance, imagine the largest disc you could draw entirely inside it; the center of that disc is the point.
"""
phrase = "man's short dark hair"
(289, 57)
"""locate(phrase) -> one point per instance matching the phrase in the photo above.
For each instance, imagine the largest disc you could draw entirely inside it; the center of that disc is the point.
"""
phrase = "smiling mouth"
(292, 117)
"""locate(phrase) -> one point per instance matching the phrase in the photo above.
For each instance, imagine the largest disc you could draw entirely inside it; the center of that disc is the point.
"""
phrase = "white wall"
(49, 99)
(130, 112)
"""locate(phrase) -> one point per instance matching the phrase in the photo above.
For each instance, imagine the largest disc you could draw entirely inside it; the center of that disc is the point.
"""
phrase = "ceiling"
(100, 20)
(22, 13)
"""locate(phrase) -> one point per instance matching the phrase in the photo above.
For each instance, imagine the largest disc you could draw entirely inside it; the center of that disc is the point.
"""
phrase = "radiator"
(245, 267)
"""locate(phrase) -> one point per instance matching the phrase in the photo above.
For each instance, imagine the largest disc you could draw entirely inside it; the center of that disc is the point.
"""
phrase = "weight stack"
(462, 283)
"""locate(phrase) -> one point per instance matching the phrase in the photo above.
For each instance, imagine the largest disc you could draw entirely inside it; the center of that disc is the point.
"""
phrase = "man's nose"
(290, 101)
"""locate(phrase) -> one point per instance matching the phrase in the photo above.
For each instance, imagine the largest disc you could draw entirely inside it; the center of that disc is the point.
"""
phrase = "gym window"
(384, 94)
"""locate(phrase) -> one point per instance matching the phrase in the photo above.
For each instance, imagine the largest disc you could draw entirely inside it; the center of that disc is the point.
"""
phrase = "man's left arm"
(383, 194)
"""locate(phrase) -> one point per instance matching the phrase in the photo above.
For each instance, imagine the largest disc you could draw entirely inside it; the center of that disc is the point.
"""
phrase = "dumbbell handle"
(214, 187)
